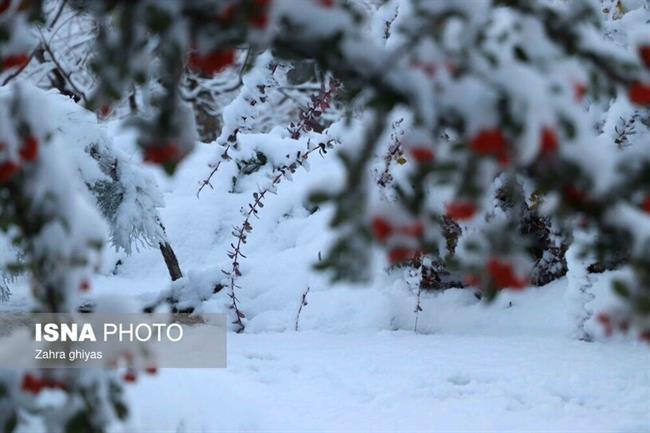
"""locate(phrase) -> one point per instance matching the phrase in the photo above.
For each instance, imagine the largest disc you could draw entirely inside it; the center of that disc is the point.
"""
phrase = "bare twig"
(303, 303)
(308, 119)
(47, 48)
(241, 233)
(418, 308)
(394, 152)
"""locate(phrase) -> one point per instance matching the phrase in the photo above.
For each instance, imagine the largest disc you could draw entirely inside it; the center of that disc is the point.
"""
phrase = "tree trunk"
(170, 260)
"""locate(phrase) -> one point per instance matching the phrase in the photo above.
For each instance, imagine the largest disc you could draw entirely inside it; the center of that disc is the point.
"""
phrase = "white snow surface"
(400, 381)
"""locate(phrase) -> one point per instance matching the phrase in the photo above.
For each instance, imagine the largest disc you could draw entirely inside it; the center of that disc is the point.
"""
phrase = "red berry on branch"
(422, 155)
(84, 286)
(130, 377)
(401, 255)
(639, 93)
(4, 6)
(152, 369)
(381, 228)
(212, 63)
(579, 91)
(645, 335)
(644, 54)
(603, 318)
(491, 142)
(327, 3)
(16, 61)
(548, 142)
(7, 170)
(29, 150)
(31, 384)
(574, 195)
(104, 111)
(260, 18)
(459, 211)
(162, 154)
(646, 204)
(227, 14)
(259, 21)
(503, 275)
(606, 322)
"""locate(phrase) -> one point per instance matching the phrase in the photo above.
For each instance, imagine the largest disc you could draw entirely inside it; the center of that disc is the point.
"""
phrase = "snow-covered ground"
(398, 381)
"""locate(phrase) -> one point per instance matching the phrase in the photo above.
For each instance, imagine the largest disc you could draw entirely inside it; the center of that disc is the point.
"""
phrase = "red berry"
(29, 150)
(15, 61)
(646, 204)
(549, 144)
(31, 384)
(260, 18)
(327, 3)
(152, 369)
(603, 318)
(459, 211)
(7, 170)
(130, 377)
(606, 322)
(227, 14)
(644, 54)
(381, 228)
(259, 21)
(401, 255)
(639, 93)
(574, 195)
(4, 6)
(645, 335)
(422, 155)
(104, 111)
(503, 275)
(162, 154)
(492, 142)
(211, 63)
(579, 91)
(84, 286)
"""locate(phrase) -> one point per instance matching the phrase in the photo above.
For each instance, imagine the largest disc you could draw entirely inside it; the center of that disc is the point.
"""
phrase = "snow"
(399, 381)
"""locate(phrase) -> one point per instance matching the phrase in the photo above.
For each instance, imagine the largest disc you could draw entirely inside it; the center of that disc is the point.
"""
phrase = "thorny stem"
(394, 150)
(241, 232)
(303, 303)
(308, 118)
(417, 310)
(206, 182)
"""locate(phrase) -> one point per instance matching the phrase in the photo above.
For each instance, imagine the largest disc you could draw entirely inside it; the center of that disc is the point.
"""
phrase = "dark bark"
(171, 261)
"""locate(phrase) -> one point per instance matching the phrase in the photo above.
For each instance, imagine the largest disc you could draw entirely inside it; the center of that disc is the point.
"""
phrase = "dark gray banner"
(103, 340)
